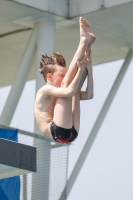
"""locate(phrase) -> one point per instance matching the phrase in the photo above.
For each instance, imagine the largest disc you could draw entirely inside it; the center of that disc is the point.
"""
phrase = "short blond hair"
(48, 64)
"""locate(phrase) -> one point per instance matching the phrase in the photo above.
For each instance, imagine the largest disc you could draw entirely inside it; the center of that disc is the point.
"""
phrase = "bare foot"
(88, 28)
(85, 31)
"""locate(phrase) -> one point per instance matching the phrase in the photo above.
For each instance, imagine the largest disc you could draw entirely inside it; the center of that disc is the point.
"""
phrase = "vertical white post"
(19, 81)
(40, 180)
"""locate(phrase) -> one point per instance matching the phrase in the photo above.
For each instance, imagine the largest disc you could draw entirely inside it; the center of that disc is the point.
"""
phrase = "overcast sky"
(107, 173)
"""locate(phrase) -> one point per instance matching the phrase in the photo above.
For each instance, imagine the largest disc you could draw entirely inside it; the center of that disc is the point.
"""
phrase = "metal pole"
(40, 180)
(45, 44)
(99, 122)
(19, 81)
(24, 179)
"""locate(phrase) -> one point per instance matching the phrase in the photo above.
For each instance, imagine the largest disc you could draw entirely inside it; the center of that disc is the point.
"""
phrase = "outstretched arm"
(89, 92)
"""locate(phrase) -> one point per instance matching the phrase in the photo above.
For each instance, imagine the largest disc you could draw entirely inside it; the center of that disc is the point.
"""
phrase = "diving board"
(16, 159)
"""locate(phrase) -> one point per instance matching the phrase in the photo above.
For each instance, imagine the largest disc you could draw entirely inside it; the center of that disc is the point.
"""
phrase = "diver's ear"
(49, 76)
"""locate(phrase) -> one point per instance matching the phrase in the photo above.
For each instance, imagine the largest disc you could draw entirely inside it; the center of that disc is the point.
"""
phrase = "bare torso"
(44, 108)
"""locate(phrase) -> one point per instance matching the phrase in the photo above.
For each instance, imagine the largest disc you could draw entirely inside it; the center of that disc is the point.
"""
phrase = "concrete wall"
(58, 7)
(71, 8)
(78, 7)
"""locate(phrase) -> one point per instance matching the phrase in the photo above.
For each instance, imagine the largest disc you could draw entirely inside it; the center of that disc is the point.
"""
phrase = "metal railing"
(34, 135)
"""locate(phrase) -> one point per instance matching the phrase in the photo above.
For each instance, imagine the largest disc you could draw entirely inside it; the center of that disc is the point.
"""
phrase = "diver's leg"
(76, 111)
(86, 38)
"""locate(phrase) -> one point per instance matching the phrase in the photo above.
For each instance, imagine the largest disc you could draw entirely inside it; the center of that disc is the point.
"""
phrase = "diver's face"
(58, 76)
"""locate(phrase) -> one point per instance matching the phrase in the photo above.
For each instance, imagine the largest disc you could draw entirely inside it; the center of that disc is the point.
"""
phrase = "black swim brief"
(63, 135)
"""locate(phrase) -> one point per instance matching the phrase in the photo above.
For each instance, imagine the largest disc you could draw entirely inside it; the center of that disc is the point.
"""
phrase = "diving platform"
(16, 159)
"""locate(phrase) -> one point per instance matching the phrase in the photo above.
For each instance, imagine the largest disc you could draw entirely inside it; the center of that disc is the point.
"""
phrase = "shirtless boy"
(57, 104)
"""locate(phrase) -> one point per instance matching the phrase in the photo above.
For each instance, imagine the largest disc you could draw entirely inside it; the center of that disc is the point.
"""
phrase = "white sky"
(107, 173)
